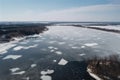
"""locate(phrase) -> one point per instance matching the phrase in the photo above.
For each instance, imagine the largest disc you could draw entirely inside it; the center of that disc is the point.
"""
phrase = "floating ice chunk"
(52, 50)
(82, 54)
(51, 42)
(47, 72)
(5, 47)
(46, 77)
(55, 48)
(24, 42)
(63, 62)
(24, 47)
(61, 43)
(54, 60)
(37, 40)
(31, 46)
(91, 44)
(12, 57)
(82, 46)
(17, 48)
(18, 73)
(50, 47)
(33, 65)
(73, 47)
(58, 52)
(14, 69)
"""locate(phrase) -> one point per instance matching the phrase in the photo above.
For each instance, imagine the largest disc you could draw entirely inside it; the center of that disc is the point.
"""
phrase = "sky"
(60, 10)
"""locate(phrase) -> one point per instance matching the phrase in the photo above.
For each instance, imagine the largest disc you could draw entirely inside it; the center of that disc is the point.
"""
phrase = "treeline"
(8, 31)
(107, 68)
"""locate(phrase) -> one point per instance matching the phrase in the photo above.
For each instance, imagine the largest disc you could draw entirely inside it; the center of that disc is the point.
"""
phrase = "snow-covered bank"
(111, 27)
(93, 75)
(115, 29)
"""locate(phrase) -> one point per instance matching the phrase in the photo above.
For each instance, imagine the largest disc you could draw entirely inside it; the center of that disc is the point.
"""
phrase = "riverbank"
(9, 31)
(104, 68)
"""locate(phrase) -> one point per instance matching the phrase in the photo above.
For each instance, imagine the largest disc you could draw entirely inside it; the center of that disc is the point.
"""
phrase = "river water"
(55, 54)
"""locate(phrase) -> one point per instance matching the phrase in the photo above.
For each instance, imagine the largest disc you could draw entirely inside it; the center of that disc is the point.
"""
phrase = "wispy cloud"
(108, 12)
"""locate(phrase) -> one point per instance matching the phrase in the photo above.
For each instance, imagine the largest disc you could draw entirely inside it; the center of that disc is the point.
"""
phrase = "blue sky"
(59, 10)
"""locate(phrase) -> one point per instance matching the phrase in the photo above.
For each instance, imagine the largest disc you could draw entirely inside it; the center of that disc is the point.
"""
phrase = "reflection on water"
(44, 52)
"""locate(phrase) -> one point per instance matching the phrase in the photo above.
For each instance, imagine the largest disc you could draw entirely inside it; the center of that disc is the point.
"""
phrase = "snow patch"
(93, 75)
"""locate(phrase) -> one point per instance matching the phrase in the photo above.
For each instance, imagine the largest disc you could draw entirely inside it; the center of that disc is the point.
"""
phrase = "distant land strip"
(98, 28)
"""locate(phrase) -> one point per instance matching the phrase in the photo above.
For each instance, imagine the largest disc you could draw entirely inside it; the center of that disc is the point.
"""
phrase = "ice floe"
(46, 77)
(50, 47)
(55, 48)
(12, 57)
(58, 52)
(24, 47)
(83, 54)
(14, 69)
(61, 43)
(4, 47)
(52, 50)
(82, 46)
(63, 62)
(45, 74)
(73, 47)
(54, 60)
(51, 42)
(18, 73)
(91, 44)
(33, 65)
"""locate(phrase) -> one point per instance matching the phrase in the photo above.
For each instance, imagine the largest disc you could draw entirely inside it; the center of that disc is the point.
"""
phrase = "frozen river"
(55, 54)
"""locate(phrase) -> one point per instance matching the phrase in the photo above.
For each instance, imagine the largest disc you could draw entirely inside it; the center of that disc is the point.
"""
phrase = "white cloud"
(107, 12)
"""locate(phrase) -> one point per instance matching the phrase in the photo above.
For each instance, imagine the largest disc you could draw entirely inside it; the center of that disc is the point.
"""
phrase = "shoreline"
(10, 31)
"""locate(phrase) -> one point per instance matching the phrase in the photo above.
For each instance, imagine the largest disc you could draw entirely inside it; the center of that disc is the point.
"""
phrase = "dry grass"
(107, 68)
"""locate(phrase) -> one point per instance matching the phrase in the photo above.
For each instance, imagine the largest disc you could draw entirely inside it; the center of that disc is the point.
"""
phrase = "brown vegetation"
(107, 68)
(7, 32)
